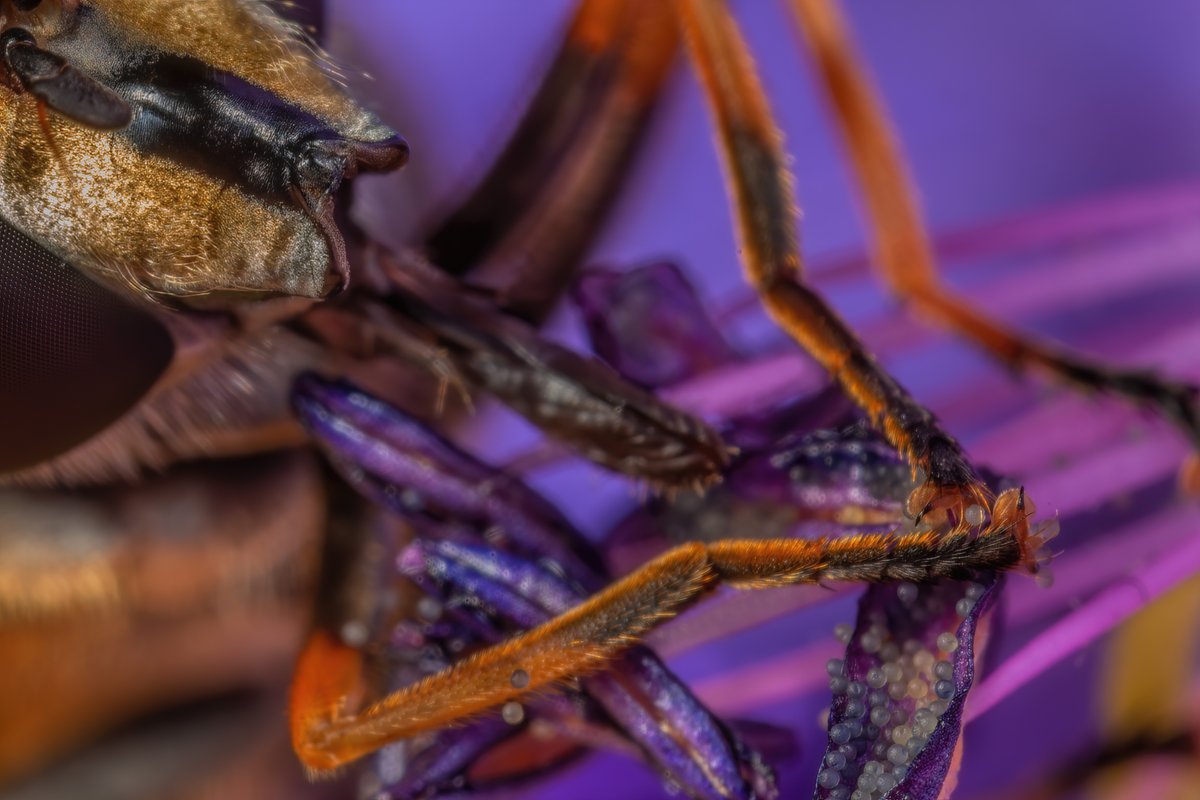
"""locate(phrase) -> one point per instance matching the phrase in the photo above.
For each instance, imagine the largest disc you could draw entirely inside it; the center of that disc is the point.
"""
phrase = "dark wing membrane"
(73, 355)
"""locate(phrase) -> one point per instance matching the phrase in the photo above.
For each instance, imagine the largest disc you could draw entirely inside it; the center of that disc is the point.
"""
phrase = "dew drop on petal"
(947, 642)
(828, 778)
(429, 609)
(835, 760)
(519, 679)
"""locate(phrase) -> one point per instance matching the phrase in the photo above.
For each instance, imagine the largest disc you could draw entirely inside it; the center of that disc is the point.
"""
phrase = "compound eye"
(74, 355)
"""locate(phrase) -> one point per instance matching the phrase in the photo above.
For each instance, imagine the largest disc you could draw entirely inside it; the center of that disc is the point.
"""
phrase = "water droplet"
(513, 713)
(429, 609)
(355, 633)
(828, 778)
(519, 679)
(947, 642)
(907, 592)
(843, 632)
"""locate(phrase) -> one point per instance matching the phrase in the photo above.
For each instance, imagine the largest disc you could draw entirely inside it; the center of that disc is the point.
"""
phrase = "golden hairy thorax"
(148, 221)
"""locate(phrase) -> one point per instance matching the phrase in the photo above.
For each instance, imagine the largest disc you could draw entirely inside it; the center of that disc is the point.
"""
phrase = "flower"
(1093, 248)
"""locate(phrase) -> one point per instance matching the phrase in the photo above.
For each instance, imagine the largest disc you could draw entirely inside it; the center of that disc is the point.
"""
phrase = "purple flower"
(498, 559)
(996, 126)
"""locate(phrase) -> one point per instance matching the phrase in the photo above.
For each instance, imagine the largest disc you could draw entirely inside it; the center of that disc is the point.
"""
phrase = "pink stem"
(1082, 627)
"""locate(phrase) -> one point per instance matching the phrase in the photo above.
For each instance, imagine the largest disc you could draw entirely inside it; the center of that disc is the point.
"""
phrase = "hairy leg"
(328, 731)
(765, 214)
(904, 255)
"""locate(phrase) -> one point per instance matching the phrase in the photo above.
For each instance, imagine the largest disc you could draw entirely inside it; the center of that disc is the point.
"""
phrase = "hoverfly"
(173, 179)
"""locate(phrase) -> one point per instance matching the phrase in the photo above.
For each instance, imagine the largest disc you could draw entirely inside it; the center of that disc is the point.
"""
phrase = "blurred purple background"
(1004, 109)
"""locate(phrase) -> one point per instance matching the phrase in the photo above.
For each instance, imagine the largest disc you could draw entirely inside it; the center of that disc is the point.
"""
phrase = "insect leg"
(328, 733)
(575, 399)
(525, 226)
(903, 252)
(765, 215)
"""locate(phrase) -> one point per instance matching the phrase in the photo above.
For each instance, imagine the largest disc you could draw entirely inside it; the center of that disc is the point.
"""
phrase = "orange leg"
(765, 215)
(524, 228)
(903, 252)
(327, 732)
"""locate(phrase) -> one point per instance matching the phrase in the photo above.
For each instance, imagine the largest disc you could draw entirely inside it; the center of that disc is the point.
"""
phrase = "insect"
(231, 226)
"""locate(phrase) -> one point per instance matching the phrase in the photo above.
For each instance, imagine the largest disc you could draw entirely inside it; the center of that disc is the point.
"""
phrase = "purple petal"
(800, 486)
(396, 459)
(441, 764)
(649, 325)
(673, 728)
(826, 472)
(898, 694)
(694, 749)
(515, 592)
